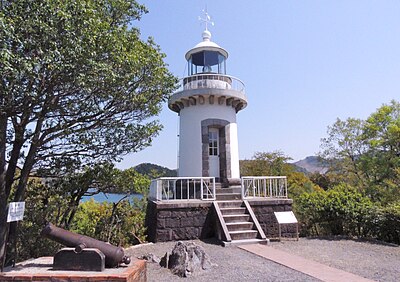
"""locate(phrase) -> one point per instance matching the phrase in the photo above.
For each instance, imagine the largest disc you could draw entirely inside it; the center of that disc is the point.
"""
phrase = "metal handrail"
(264, 187)
(211, 80)
(182, 188)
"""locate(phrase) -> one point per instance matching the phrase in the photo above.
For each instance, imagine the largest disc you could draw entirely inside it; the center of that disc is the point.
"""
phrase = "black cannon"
(113, 256)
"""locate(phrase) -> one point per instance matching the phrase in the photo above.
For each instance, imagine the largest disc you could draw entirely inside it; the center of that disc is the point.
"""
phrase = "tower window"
(213, 142)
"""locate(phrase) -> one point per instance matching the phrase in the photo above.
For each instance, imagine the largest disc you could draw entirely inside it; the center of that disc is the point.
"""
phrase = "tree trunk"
(3, 227)
(3, 193)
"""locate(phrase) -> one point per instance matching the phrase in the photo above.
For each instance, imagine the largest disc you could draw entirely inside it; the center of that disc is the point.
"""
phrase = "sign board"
(15, 211)
(285, 217)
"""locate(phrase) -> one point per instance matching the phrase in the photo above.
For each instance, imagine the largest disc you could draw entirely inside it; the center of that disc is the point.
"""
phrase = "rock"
(187, 259)
(164, 260)
(150, 257)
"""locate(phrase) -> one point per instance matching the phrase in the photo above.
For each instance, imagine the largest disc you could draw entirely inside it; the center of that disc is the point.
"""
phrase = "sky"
(304, 64)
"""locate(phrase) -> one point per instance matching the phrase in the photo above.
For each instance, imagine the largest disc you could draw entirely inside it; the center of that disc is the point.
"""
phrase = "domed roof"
(206, 45)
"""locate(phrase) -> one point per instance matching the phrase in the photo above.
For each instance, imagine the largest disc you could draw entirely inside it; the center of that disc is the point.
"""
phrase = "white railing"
(182, 188)
(217, 81)
(264, 187)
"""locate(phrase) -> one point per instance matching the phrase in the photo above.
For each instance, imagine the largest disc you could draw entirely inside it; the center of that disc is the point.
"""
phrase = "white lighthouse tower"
(207, 104)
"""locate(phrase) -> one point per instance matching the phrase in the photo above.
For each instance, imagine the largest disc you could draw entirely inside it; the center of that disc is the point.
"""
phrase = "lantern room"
(206, 57)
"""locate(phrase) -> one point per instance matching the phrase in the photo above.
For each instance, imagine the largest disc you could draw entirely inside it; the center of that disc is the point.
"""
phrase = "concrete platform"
(40, 269)
(312, 268)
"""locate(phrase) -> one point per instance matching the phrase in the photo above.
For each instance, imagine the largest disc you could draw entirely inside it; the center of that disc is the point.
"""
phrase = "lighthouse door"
(213, 152)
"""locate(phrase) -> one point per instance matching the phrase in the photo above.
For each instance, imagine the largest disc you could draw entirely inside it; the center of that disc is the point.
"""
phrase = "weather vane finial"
(206, 19)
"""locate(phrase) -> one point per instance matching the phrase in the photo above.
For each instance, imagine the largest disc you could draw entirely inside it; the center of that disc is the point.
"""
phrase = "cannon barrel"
(113, 255)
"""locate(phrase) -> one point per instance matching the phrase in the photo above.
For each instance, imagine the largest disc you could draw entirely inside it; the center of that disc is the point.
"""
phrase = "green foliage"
(266, 164)
(299, 183)
(93, 180)
(343, 210)
(276, 164)
(58, 201)
(338, 211)
(78, 86)
(154, 171)
(120, 223)
(384, 223)
(366, 153)
(41, 205)
(322, 180)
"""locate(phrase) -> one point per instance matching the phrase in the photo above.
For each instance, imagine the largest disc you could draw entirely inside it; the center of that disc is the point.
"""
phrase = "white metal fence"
(182, 188)
(264, 187)
(218, 81)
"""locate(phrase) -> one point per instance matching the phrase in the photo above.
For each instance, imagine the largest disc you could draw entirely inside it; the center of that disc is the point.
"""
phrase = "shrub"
(120, 223)
(339, 211)
(386, 223)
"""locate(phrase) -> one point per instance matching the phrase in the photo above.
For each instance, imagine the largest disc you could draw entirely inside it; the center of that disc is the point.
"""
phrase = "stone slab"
(41, 269)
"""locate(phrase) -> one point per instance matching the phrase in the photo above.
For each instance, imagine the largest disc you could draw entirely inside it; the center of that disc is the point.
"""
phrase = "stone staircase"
(229, 193)
(237, 222)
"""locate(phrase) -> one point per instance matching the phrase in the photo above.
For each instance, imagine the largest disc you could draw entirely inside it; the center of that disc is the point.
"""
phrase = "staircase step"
(234, 210)
(243, 234)
(239, 226)
(230, 204)
(228, 196)
(246, 241)
(230, 190)
(236, 218)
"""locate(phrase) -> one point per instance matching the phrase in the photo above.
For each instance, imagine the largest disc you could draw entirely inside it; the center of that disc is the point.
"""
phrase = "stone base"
(195, 219)
(41, 269)
(179, 220)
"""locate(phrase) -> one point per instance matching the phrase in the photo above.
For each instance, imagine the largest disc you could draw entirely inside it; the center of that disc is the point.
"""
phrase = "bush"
(345, 211)
(41, 205)
(385, 223)
(120, 224)
(339, 211)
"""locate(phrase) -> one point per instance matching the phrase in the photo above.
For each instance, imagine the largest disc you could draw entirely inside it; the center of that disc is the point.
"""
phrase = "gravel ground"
(370, 259)
(375, 261)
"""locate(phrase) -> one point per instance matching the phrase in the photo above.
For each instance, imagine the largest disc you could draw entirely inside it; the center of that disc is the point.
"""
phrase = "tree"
(343, 148)
(382, 161)
(58, 200)
(266, 164)
(276, 164)
(90, 181)
(77, 86)
(366, 153)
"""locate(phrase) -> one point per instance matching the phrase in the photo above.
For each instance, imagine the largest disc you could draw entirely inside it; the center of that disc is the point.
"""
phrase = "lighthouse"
(209, 197)
(207, 104)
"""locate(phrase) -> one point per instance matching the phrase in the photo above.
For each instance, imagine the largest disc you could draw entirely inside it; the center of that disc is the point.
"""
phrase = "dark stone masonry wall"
(264, 211)
(179, 221)
(173, 221)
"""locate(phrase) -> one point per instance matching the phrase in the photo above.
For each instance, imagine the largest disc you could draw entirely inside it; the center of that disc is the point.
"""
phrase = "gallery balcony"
(209, 88)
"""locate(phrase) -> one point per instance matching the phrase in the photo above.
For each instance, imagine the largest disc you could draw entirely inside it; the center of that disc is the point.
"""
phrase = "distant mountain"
(153, 170)
(312, 164)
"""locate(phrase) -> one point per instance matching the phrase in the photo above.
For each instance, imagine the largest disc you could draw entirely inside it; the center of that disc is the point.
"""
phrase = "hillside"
(154, 171)
(312, 164)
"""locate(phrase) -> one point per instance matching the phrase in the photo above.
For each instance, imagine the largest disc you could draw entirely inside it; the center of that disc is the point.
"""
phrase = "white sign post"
(15, 211)
(286, 217)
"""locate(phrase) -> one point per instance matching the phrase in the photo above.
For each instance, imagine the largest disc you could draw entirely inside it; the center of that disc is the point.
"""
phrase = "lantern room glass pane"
(207, 62)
